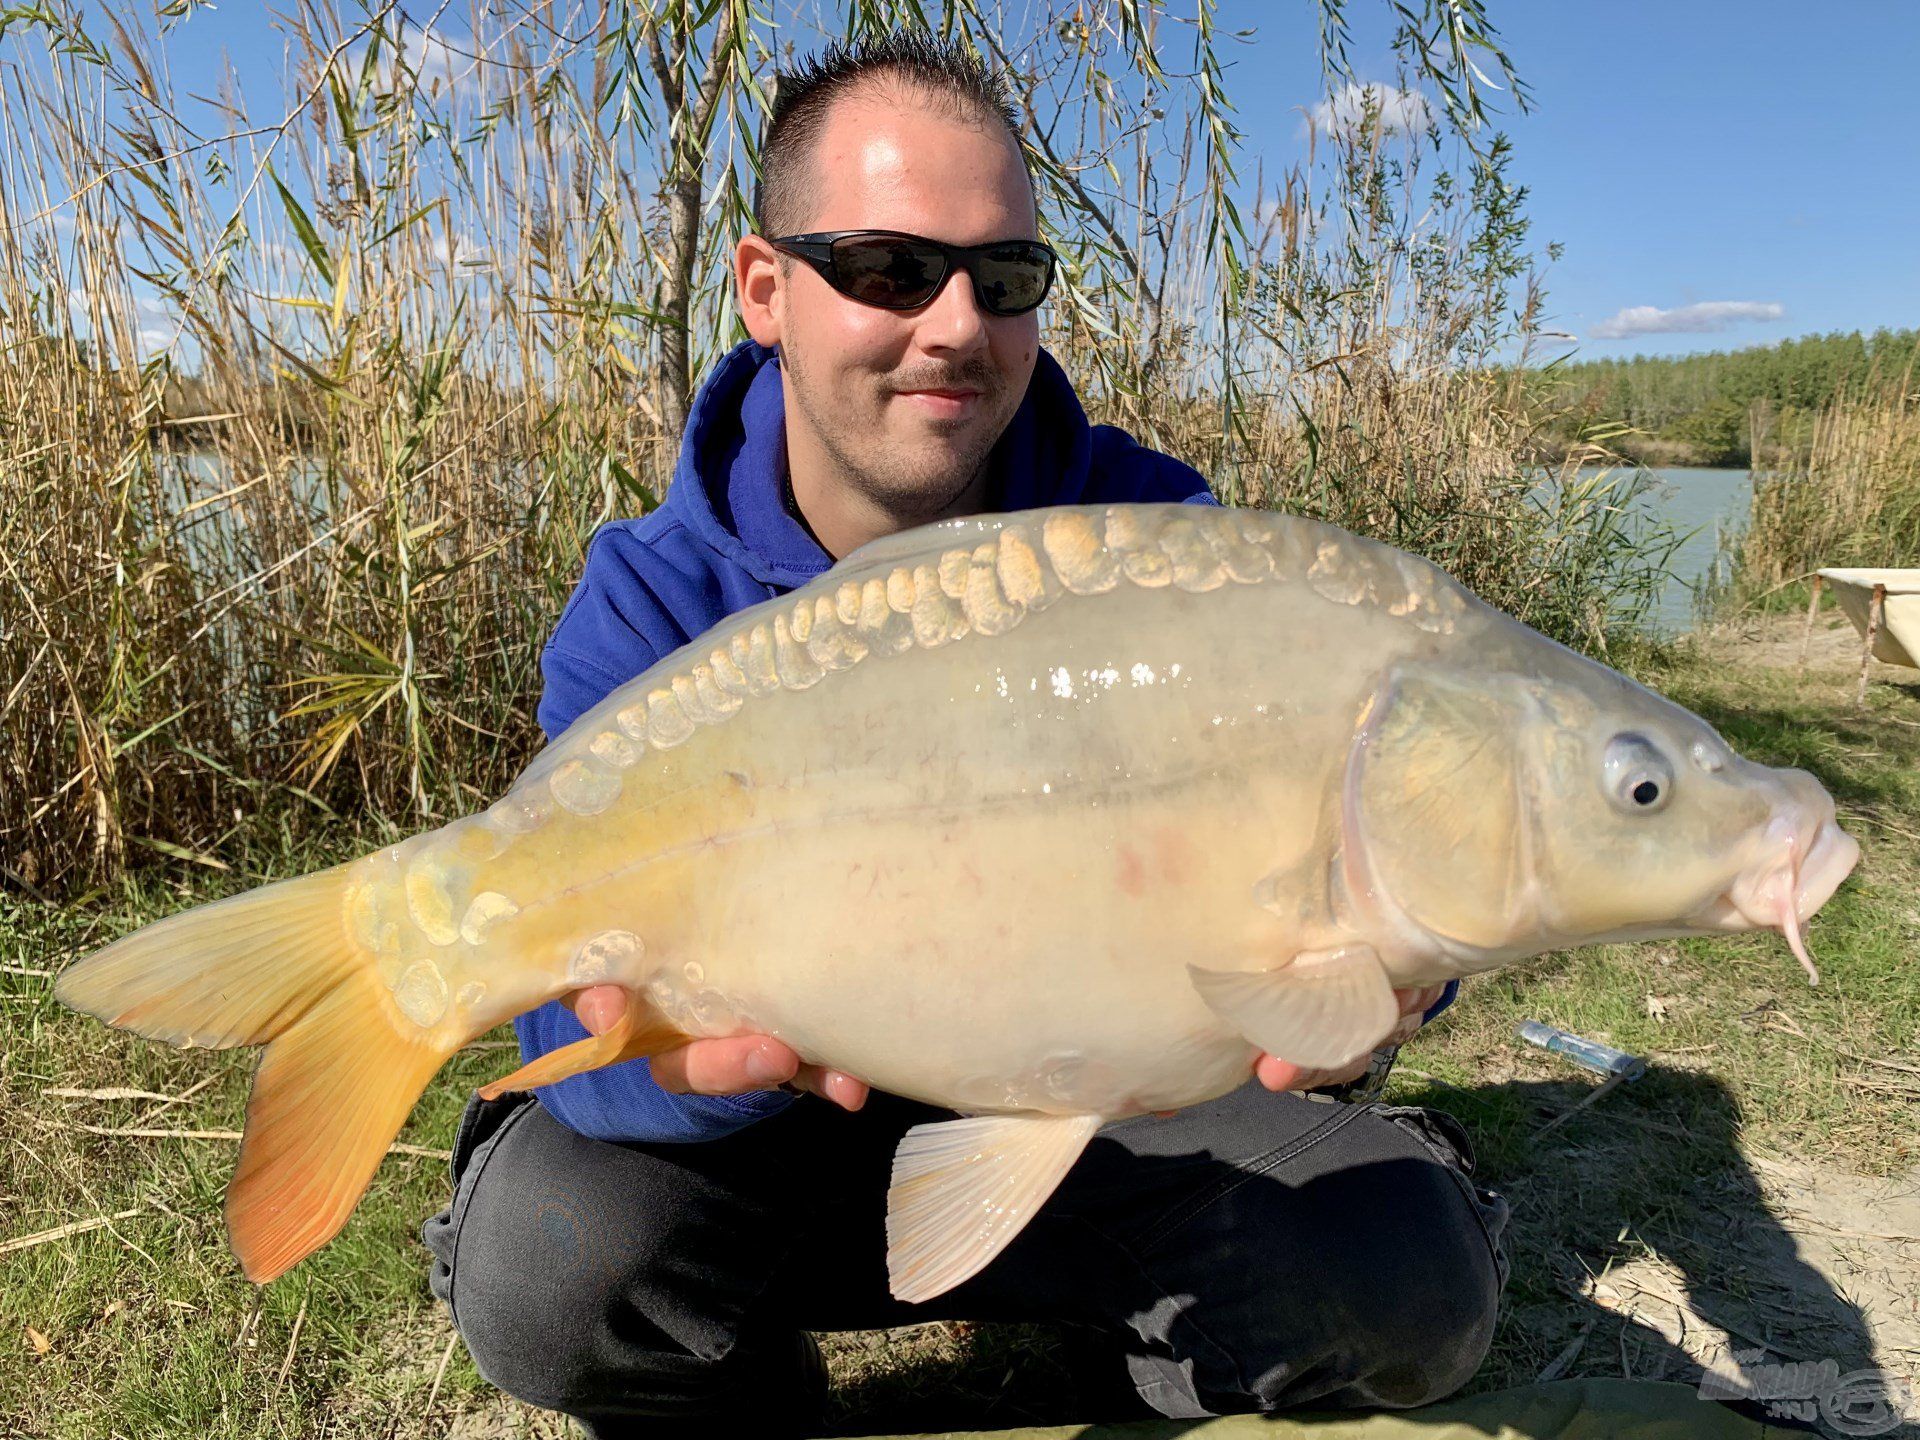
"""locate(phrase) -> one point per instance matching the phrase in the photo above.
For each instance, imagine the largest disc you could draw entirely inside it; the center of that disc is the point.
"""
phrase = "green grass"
(148, 1329)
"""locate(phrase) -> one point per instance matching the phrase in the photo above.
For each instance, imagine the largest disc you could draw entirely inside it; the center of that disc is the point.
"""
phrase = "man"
(656, 1239)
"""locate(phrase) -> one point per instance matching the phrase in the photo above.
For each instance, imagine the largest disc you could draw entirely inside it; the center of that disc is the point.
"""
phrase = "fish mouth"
(1789, 883)
(1830, 860)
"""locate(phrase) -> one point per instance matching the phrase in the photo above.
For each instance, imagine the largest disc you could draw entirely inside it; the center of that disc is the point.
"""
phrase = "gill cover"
(1436, 806)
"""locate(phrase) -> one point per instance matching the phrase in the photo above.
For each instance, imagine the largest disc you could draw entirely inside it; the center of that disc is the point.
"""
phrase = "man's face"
(851, 370)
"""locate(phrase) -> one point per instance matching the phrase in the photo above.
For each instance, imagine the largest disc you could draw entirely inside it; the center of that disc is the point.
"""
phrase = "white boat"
(1898, 640)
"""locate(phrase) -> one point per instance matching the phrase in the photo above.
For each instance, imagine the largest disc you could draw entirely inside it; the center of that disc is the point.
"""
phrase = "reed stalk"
(1853, 499)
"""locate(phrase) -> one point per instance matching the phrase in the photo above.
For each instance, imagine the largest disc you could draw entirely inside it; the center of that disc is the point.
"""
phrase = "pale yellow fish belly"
(949, 960)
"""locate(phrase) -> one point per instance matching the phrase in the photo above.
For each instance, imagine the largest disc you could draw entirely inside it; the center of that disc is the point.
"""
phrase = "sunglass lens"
(1014, 278)
(881, 270)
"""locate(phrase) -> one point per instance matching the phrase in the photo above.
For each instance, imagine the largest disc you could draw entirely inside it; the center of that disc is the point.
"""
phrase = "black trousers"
(1257, 1252)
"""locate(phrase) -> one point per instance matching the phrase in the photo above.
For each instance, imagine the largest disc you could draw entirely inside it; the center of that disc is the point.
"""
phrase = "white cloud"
(1270, 211)
(1396, 111)
(1703, 318)
(438, 61)
(432, 57)
(156, 325)
(147, 309)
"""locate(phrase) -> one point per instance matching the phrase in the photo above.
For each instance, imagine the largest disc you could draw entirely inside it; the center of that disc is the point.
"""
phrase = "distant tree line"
(1708, 409)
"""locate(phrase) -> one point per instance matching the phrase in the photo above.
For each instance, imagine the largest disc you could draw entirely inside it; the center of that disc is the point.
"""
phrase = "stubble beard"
(904, 495)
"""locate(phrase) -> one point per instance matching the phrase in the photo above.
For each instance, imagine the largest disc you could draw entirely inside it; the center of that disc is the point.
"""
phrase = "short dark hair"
(954, 79)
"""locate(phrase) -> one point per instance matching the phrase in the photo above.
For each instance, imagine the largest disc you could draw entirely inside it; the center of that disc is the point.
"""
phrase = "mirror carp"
(1050, 818)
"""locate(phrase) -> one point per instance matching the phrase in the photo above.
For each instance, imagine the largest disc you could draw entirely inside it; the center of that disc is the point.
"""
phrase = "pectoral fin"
(962, 1189)
(1322, 1009)
(640, 1032)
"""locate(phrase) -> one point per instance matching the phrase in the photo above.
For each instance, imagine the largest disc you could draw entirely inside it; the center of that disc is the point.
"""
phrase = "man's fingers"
(597, 1007)
(1277, 1074)
(835, 1085)
(741, 1063)
(1418, 1002)
(731, 1066)
(1414, 1005)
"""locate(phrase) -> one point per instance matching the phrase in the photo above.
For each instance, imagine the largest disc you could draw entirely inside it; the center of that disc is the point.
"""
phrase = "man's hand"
(730, 1066)
(1278, 1074)
(742, 1063)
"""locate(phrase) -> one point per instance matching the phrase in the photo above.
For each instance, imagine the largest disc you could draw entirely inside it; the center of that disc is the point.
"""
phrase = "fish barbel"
(1049, 817)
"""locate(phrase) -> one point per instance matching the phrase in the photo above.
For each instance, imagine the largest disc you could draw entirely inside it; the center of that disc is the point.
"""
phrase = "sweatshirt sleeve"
(614, 627)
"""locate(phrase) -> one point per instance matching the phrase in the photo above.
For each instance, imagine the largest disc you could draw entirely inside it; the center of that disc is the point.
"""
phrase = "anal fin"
(962, 1189)
(1320, 1010)
(639, 1032)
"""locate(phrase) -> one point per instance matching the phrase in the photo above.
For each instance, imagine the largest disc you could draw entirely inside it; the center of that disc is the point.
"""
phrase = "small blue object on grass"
(1587, 1054)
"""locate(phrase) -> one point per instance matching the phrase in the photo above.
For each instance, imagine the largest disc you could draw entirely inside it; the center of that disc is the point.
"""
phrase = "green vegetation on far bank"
(1707, 409)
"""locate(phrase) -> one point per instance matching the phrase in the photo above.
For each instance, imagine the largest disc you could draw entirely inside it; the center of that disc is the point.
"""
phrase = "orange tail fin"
(275, 967)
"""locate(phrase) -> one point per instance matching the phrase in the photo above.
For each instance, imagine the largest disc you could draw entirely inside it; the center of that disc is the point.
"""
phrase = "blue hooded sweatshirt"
(724, 540)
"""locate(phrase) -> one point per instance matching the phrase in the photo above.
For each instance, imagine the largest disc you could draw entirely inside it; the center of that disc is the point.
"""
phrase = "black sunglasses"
(897, 271)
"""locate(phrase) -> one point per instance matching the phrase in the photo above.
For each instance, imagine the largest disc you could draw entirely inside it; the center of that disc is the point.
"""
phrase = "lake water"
(1709, 503)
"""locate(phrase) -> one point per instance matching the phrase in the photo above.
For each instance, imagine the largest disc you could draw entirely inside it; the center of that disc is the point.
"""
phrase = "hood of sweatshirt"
(728, 482)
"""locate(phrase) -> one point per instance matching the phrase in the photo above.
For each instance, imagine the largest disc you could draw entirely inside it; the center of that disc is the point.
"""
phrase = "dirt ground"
(1783, 642)
(1831, 1271)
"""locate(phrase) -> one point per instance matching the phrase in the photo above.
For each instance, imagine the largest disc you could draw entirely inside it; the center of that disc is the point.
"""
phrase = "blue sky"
(1691, 153)
(1751, 166)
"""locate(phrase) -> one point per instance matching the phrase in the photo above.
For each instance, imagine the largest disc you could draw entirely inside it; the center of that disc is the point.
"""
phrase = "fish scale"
(1050, 818)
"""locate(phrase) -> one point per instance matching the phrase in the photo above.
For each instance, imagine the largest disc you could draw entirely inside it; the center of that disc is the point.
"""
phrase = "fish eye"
(1638, 777)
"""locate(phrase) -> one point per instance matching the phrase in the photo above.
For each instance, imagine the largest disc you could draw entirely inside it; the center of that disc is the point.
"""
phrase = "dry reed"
(1854, 499)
